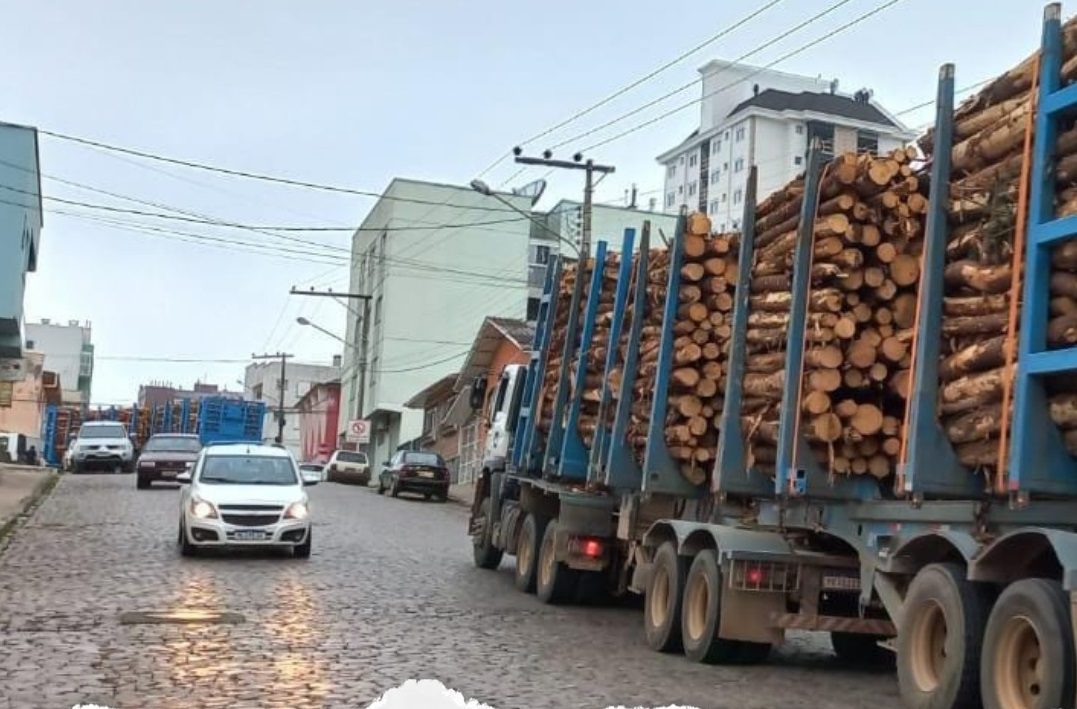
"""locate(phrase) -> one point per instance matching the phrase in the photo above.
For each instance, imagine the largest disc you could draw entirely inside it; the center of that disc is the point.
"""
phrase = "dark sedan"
(165, 456)
(415, 471)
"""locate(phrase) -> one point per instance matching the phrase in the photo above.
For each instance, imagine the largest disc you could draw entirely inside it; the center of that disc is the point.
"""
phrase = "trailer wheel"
(662, 604)
(555, 581)
(527, 551)
(486, 555)
(700, 614)
(1028, 651)
(938, 659)
(860, 650)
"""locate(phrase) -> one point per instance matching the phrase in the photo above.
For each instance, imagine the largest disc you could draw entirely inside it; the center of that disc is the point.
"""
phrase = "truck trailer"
(964, 574)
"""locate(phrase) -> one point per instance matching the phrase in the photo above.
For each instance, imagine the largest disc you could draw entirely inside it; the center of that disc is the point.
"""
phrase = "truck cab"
(502, 409)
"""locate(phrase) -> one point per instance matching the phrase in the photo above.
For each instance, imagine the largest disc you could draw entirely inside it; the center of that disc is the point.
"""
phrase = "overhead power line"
(641, 80)
(255, 175)
(684, 87)
(787, 55)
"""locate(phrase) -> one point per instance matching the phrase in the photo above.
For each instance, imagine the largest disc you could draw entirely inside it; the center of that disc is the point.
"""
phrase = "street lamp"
(303, 321)
(484, 189)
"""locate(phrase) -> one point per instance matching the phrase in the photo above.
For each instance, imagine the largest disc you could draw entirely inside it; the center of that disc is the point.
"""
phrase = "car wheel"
(527, 550)
(142, 482)
(302, 551)
(485, 554)
(186, 548)
(555, 582)
(381, 487)
(662, 600)
(394, 490)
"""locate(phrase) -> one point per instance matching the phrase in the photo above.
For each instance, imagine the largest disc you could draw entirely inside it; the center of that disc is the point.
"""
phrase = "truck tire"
(554, 582)
(860, 650)
(485, 554)
(662, 603)
(1028, 655)
(527, 551)
(938, 658)
(701, 612)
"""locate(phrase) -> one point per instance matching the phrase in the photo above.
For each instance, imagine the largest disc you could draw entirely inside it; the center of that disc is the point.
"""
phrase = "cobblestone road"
(389, 594)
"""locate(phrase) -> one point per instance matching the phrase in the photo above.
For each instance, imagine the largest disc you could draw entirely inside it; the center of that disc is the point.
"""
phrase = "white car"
(245, 494)
(348, 467)
(103, 445)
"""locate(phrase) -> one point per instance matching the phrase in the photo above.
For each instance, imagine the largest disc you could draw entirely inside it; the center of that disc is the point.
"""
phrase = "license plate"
(249, 536)
(426, 473)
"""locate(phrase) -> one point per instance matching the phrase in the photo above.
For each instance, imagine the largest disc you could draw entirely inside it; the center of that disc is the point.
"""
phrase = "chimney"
(632, 204)
(834, 86)
(336, 360)
(755, 89)
(652, 204)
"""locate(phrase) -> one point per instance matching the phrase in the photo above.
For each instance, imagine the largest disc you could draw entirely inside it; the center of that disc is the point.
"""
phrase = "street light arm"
(484, 189)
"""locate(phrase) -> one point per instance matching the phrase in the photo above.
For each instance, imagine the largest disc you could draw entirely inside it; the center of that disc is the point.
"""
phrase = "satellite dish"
(533, 190)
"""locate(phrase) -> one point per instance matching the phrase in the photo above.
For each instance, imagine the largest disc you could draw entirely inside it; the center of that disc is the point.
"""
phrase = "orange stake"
(1015, 287)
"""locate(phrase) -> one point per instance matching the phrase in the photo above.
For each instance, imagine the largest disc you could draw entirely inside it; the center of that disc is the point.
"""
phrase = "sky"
(353, 93)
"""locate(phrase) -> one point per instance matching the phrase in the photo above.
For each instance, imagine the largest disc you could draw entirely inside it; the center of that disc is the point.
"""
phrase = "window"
(542, 254)
(669, 199)
(680, 189)
(726, 137)
(29, 344)
(723, 197)
(692, 189)
(681, 161)
(738, 164)
(725, 166)
(532, 309)
(740, 134)
(716, 147)
(256, 391)
(867, 142)
(377, 310)
(419, 458)
(737, 196)
(428, 421)
(671, 171)
(722, 228)
(692, 160)
(798, 160)
(714, 206)
(714, 176)
(799, 129)
(373, 369)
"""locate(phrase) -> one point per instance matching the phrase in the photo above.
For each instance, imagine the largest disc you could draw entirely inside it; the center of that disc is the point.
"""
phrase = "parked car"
(165, 456)
(313, 469)
(348, 467)
(243, 494)
(103, 445)
(415, 471)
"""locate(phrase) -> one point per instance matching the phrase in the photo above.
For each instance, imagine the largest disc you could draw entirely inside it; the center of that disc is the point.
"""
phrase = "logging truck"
(858, 416)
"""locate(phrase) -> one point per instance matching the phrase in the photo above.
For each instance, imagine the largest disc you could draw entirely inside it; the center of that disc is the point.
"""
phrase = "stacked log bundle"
(558, 333)
(595, 366)
(701, 330)
(865, 274)
(987, 158)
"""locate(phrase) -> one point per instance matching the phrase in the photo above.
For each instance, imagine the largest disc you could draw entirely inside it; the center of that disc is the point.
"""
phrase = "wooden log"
(694, 244)
(899, 383)
(904, 309)
(766, 363)
(698, 224)
(985, 324)
(827, 357)
(714, 266)
(826, 427)
(711, 350)
(978, 454)
(698, 425)
(686, 377)
(870, 235)
(975, 425)
(712, 370)
(687, 354)
(985, 279)
(853, 378)
(904, 270)
(1063, 283)
(706, 388)
(1063, 410)
(825, 380)
(861, 353)
(843, 202)
(817, 402)
(969, 306)
(764, 385)
(821, 299)
(893, 349)
(845, 327)
(1063, 305)
(867, 420)
(1062, 330)
(687, 405)
(879, 466)
(972, 391)
(846, 408)
(891, 446)
(977, 357)
(692, 271)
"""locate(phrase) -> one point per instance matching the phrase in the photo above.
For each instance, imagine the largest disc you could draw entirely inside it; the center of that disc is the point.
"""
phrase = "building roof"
(491, 333)
(817, 102)
(438, 391)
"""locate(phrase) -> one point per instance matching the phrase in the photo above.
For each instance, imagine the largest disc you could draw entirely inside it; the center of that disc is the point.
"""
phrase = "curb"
(29, 504)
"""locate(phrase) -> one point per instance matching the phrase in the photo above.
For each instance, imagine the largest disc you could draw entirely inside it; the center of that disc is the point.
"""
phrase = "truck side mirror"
(477, 395)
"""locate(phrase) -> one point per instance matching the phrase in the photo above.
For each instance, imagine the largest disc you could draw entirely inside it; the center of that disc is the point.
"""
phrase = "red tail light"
(587, 546)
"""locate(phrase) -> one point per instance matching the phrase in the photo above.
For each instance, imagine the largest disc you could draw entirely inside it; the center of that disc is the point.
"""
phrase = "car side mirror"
(184, 477)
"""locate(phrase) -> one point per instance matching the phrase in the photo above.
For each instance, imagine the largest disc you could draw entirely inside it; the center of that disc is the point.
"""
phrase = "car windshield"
(247, 470)
(351, 457)
(111, 431)
(173, 444)
(423, 459)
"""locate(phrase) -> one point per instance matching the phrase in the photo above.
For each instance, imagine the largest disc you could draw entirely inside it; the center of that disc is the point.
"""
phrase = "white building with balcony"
(768, 119)
(68, 350)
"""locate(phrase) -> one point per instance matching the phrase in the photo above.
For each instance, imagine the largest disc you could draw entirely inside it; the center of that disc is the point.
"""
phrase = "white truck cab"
(502, 409)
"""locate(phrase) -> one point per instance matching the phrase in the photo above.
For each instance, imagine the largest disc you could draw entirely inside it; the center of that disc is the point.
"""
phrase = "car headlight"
(203, 509)
(297, 510)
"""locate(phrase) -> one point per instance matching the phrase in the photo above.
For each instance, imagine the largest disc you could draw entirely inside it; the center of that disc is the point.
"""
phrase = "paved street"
(389, 594)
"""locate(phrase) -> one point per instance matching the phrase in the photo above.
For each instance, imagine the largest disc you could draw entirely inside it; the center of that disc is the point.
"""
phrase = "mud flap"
(746, 615)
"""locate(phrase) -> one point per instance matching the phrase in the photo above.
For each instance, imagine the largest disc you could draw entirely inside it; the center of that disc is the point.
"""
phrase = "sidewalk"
(20, 487)
(462, 494)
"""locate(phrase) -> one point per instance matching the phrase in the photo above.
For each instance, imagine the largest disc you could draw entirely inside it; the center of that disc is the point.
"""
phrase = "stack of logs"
(987, 158)
(548, 392)
(862, 305)
(596, 354)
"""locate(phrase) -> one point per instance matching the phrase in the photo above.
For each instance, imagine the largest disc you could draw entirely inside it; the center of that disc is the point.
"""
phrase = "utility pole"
(578, 163)
(283, 356)
(364, 331)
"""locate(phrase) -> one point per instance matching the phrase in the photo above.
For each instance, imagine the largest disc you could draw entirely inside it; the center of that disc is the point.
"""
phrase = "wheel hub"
(928, 653)
(546, 563)
(658, 599)
(697, 601)
(1018, 664)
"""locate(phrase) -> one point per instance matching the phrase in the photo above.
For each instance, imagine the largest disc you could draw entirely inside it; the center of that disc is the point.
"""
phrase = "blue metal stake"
(574, 455)
(622, 470)
(600, 444)
(526, 448)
